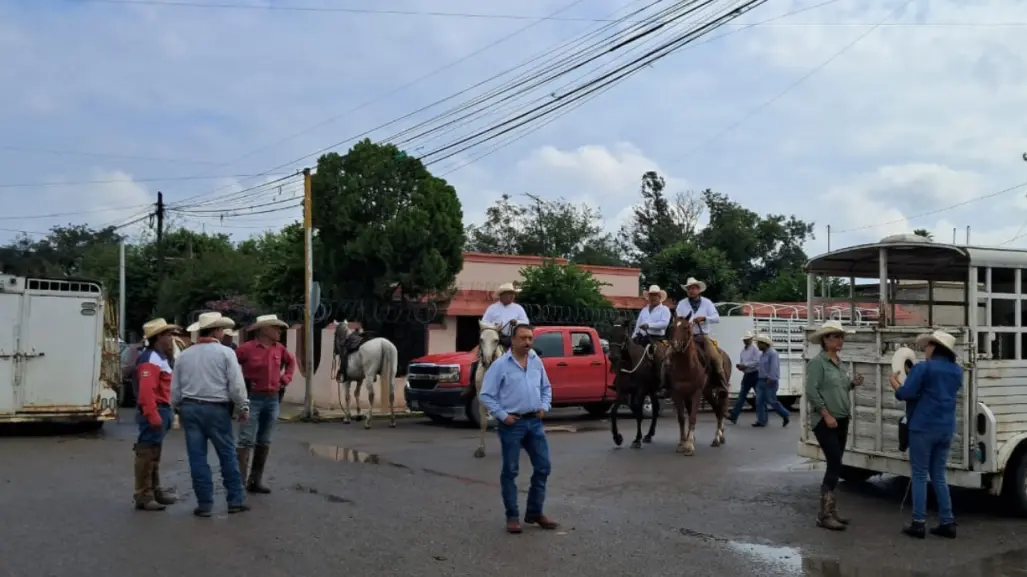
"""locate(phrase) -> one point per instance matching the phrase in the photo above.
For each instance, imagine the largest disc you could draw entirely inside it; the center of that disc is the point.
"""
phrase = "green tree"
(278, 283)
(562, 285)
(924, 233)
(671, 268)
(386, 225)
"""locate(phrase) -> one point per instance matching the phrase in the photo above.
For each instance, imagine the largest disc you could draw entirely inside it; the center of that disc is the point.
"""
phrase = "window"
(582, 345)
(549, 345)
(1003, 280)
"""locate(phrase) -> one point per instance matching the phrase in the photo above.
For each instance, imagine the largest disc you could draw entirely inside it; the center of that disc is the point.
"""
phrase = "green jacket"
(827, 385)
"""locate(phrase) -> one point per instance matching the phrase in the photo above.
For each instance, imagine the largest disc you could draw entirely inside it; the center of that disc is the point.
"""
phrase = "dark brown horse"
(635, 376)
(690, 379)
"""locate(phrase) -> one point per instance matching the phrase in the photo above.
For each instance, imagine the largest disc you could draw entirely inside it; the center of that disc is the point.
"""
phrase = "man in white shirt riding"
(654, 319)
(702, 313)
(505, 313)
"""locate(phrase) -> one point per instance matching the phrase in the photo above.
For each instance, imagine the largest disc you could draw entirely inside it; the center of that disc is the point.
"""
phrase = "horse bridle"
(499, 334)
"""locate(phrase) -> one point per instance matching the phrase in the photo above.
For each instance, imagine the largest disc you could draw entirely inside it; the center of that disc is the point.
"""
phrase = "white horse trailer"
(52, 351)
(978, 295)
(786, 325)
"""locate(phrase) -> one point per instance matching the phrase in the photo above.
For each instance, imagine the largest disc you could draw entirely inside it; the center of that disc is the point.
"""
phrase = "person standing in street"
(749, 365)
(206, 386)
(229, 339)
(516, 390)
(153, 414)
(267, 367)
(768, 382)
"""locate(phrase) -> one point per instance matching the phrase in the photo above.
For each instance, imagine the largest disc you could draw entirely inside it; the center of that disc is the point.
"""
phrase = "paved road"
(413, 500)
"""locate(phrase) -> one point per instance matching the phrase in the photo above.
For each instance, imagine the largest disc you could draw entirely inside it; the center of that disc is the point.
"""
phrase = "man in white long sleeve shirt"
(749, 365)
(505, 313)
(654, 319)
(702, 313)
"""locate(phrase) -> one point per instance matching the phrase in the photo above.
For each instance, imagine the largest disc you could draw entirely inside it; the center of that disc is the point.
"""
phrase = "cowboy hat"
(939, 338)
(507, 287)
(902, 357)
(230, 333)
(156, 327)
(831, 327)
(211, 321)
(692, 281)
(748, 336)
(656, 289)
(267, 321)
(765, 339)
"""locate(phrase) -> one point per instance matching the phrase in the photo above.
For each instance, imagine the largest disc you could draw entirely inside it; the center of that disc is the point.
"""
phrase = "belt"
(202, 402)
(531, 415)
(164, 405)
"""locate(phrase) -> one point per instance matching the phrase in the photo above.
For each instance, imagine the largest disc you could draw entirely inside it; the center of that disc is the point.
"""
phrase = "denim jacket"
(930, 393)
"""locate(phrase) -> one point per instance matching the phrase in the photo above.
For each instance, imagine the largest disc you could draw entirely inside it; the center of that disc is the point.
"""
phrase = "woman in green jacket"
(827, 392)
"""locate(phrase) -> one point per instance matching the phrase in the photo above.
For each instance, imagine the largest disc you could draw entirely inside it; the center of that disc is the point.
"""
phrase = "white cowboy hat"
(211, 321)
(940, 338)
(230, 333)
(748, 336)
(828, 328)
(656, 289)
(765, 339)
(899, 360)
(156, 327)
(692, 281)
(267, 321)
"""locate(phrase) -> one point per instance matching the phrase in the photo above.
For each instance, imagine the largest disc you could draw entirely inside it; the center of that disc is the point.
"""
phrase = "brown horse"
(690, 379)
(636, 376)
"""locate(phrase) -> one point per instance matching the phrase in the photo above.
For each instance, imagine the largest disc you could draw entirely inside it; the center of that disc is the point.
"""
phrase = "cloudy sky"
(871, 116)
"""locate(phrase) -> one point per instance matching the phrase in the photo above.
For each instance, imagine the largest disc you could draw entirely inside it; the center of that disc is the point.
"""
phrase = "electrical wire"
(75, 213)
(100, 154)
(120, 180)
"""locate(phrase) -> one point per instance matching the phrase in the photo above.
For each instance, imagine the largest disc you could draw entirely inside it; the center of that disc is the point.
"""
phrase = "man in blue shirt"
(517, 392)
(769, 380)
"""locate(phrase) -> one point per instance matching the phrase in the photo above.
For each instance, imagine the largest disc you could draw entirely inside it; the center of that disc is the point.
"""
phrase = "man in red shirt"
(267, 367)
(153, 414)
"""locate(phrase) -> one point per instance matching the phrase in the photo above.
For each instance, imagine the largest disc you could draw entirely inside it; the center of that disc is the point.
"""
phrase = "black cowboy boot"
(255, 484)
(916, 529)
(947, 530)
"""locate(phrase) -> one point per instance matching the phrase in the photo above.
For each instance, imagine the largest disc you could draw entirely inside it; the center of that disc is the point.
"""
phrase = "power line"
(122, 180)
(100, 154)
(75, 213)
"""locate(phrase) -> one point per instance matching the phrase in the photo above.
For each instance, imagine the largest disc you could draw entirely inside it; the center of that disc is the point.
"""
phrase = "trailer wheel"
(1014, 486)
(788, 401)
(856, 475)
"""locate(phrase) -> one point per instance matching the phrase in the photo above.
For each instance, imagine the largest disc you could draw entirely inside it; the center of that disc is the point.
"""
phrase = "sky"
(873, 117)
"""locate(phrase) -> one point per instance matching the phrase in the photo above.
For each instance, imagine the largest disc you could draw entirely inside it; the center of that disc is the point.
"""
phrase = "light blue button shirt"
(507, 388)
(770, 365)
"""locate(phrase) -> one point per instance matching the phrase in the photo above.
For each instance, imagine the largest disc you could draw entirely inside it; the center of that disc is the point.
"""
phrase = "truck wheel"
(856, 475)
(597, 409)
(1014, 486)
(788, 401)
(440, 419)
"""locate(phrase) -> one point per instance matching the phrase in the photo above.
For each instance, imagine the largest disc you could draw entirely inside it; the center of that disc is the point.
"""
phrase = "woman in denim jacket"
(930, 393)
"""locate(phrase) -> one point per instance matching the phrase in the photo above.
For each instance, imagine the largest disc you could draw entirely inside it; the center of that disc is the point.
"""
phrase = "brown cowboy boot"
(144, 497)
(542, 521)
(161, 495)
(243, 454)
(834, 511)
(256, 475)
(825, 519)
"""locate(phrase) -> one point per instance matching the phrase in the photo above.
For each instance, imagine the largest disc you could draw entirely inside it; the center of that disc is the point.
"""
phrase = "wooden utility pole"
(309, 412)
(160, 235)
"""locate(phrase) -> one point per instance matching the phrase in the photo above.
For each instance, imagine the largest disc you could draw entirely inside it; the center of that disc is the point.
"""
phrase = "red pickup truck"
(575, 358)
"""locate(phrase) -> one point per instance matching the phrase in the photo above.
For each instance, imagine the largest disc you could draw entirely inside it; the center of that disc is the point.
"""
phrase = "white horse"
(490, 349)
(375, 358)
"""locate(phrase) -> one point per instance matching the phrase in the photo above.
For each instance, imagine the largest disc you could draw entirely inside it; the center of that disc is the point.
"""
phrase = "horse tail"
(388, 364)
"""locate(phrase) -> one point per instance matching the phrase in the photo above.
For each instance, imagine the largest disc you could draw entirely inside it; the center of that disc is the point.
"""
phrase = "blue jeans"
(264, 410)
(529, 435)
(748, 384)
(147, 434)
(928, 453)
(766, 394)
(211, 422)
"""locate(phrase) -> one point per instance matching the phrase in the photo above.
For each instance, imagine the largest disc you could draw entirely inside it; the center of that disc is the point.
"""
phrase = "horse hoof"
(479, 454)
(636, 445)
(367, 425)
(681, 449)
(647, 439)
(689, 451)
(618, 440)
(715, 443)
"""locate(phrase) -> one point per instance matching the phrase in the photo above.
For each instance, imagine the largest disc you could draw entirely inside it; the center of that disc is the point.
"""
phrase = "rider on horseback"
(702, 313)
(505, 313)
(654, 319)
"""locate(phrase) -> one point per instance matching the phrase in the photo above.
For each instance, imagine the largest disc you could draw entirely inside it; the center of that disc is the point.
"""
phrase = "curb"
(334, 417)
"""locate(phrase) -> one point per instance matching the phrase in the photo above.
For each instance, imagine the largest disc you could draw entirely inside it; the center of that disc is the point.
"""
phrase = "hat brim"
(929, 338)
(662, 293)
(165, 329)
(700, 284)
(275, 323)
(818, 335)
(221, 323)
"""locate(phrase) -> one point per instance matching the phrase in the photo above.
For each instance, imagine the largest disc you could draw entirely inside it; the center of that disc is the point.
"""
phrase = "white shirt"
(500, 314)
(706, 309)
(208, 372)
(750, 358)
(658, 320)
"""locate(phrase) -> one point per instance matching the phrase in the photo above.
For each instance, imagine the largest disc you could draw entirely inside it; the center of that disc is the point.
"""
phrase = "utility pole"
(828, 238)
(121, 290)
(541, 224)
(160, 236)
(309, 412)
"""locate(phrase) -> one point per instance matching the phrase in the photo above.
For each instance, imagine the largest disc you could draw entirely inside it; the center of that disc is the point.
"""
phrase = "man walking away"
(207, 384)
(517, 391)
(262, 360)
(749, 364)
(769, 379)
(153, 414)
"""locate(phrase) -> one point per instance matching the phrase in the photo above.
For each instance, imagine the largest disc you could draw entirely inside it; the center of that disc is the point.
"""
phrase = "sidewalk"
(294, 412)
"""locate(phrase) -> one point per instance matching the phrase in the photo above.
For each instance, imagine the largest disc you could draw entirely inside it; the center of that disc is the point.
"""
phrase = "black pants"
(832, 443)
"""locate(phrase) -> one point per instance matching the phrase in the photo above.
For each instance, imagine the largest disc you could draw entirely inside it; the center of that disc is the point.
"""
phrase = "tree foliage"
(561, 285)
(924, 233)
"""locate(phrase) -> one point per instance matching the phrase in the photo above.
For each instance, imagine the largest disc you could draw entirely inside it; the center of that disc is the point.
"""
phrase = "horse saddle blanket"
(351, 343)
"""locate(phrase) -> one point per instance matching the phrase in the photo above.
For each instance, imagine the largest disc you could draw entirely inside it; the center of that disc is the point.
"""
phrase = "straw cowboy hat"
(904, 357)
(748, 336)
(507, 287)
(831, 327)
(230, 333)
(765, 339)
(692, 281)
(939, 338)
(656, 289)
(157, 327)
(211, 321)
(267, 321)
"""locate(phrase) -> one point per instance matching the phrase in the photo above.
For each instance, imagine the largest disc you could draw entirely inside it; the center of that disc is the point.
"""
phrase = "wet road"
(413, 500)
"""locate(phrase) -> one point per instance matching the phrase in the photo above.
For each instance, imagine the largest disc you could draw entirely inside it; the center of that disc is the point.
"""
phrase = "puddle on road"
(345, 454)
(787, 558)
(790, 465)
